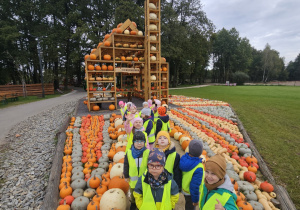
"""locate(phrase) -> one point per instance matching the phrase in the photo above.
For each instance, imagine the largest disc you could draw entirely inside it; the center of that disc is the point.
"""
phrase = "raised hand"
(219, 206)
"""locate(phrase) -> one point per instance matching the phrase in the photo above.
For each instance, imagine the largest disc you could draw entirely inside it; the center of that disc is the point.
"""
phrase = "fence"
(29, 89)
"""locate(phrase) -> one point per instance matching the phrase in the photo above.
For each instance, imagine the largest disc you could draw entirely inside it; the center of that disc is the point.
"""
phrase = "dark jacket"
(165, 119)
(126, 165)
(176, 170)
(187, 163)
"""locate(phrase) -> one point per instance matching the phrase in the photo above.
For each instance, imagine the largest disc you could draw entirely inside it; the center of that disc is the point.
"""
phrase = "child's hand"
(219, 206)
(195, 204)
(127, 180)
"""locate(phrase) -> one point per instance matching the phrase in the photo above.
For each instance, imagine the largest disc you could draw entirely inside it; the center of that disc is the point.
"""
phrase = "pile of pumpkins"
(221, 136)
(192, 101)
(92, 169)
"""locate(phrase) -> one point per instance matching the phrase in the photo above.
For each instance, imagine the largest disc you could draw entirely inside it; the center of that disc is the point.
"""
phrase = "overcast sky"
(276, 22)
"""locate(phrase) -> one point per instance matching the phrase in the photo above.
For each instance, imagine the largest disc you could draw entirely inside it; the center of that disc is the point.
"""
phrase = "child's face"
(155, 169)
(145, 106)
(133, 110)
(138, 124)
(163, 141)
(210, 177)
(139, 144)
(122, 105)
(143, 116)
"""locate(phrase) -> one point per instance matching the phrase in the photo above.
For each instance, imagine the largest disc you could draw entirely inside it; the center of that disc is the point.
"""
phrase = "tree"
(293, 69)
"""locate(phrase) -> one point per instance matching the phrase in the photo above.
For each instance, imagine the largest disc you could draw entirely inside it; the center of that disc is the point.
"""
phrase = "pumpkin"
(96, 108)
(140, 33)
(152, 16)
(116, 170)
(152, 27)
(86, 57)
(119, 31)
(107, 57)
(107, 43)
(93, 57)
(106, 36)
(176, 135)
(244, 205)
(133, 33)
(91, 67)
(67, 200)
(126, 32)
(104, 67)
(118, 156)
(97, 198)
(153, 77)
(119, 182)
(240, 196)
(101, 189)
(113, 199)
(78, 184)
(93, 205)
(110, 68)
(111, 107)
(65, 191)
(63, 206)
(173, 131)
(94, 182)
(80, 203)
(249, 176)
(153, 58)
(185, 144)
(252, 168)
(152, 38)
(77, 193)
(250, 159)
(265, 186)
(89, 193)
(105, 181)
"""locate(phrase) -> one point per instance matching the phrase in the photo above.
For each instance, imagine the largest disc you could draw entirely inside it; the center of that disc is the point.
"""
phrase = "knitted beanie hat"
(195, 148)
(161, 111)
(146, 111)
(217, 165)
(136, 119)
(121, 103)
(145, 103)
(157, 155)
(139, 135)
(162, 133)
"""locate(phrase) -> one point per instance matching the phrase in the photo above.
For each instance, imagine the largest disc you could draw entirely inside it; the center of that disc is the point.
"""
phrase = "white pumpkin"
(122, 137)
(140, 33)
(118, 156)
(152, 16)
(113, 199)
(184, 139)
(153, 58)
(120, 143)
(126, 32)
(153, 48)
(152, 38)
(176, 135)
(152, 27)
(118, 122)
(164, 78)
(116, 170)
(152, 6)
(153, 77)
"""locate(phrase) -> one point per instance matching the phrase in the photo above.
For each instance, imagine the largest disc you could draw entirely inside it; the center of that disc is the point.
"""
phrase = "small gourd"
(117, 170)
(152, 27)
(153, 77)
(126, 32)
(140, 33)
(152, 16)
(153, 48)
(153, 58)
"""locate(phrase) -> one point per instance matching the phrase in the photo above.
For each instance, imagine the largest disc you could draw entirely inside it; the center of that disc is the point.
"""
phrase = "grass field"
(271, 116)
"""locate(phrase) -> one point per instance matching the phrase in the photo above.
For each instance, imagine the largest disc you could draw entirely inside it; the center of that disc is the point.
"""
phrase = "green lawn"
(29, 99)
(271, 116)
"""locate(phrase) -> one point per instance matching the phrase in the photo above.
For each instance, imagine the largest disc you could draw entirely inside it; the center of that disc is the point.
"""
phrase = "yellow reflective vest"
(130, 142)
(210, 204)
(170, 162)
(151, 137)
(134, 174)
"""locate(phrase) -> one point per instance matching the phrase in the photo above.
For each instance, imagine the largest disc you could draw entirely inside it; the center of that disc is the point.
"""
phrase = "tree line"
(66, 30)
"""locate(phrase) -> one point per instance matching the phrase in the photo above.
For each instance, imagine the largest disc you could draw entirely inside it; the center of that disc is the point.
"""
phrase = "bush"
(240, 77)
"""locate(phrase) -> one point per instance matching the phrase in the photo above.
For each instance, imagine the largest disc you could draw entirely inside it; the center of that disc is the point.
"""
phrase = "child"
(156, 189)
(135, 163)
(127, 111)
(137, 125)
(192, 174)
(146, 105)
(149, 126)
(123, 108)
(218, 190)
(164, 143)
(162, 123)
(157, 104)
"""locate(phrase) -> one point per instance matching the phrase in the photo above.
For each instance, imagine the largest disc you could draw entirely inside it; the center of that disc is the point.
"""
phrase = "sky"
(276, 22)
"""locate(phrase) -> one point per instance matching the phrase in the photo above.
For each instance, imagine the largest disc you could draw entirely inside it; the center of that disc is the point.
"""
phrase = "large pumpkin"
(93, 57)
(107, 57)
(113, 199)
(96, 108)
(118, 182)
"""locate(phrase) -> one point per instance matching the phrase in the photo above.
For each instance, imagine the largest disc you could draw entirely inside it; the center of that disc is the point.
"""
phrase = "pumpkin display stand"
(128, 64)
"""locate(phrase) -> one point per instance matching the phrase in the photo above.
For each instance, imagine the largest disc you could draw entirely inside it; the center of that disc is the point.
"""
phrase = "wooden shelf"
(129, 48)
(130, 62)
(97, 102)
(101, 81)
(154, 32)
(100, 71)
(132, 36)
(100, 61)
(103, 91)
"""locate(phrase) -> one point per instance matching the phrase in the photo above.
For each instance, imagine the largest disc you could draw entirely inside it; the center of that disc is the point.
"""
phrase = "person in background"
(156, 188)
(146, 105)
(148, 125)
(162, 123)
(218, 191)
(192, 175)
(127, 111)
(164, 143)
(157, 104)
(123, 108)
(135, 163)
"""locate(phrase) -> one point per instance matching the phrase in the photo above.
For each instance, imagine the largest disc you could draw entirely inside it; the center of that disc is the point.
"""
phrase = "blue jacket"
(186, 164)
(225, 187)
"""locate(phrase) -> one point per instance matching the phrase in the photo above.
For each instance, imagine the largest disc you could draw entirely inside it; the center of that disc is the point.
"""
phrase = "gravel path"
(25, 161)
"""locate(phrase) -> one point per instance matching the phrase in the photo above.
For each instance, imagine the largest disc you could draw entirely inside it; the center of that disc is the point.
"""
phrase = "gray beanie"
(195, 148)
(146, 111)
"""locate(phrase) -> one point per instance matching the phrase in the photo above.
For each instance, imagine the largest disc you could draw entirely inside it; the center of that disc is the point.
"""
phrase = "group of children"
(156, 173)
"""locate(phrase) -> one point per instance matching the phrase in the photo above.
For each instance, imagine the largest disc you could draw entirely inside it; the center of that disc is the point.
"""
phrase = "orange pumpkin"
(93, 57)
(244, 205)
(240, 197)
(86, 57)
(93, 205)
(94, 182)
(98, 68)
(65, 191)
(101, 189)
(110, 68)
(119, 31)
(111, 107)
(132, 32)
(104, 67)
(91, 67)
(173, 132)
(107, 43)
(118, 182)
(106, 36)
(185, 144)
(107, 57)
(96, 108)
